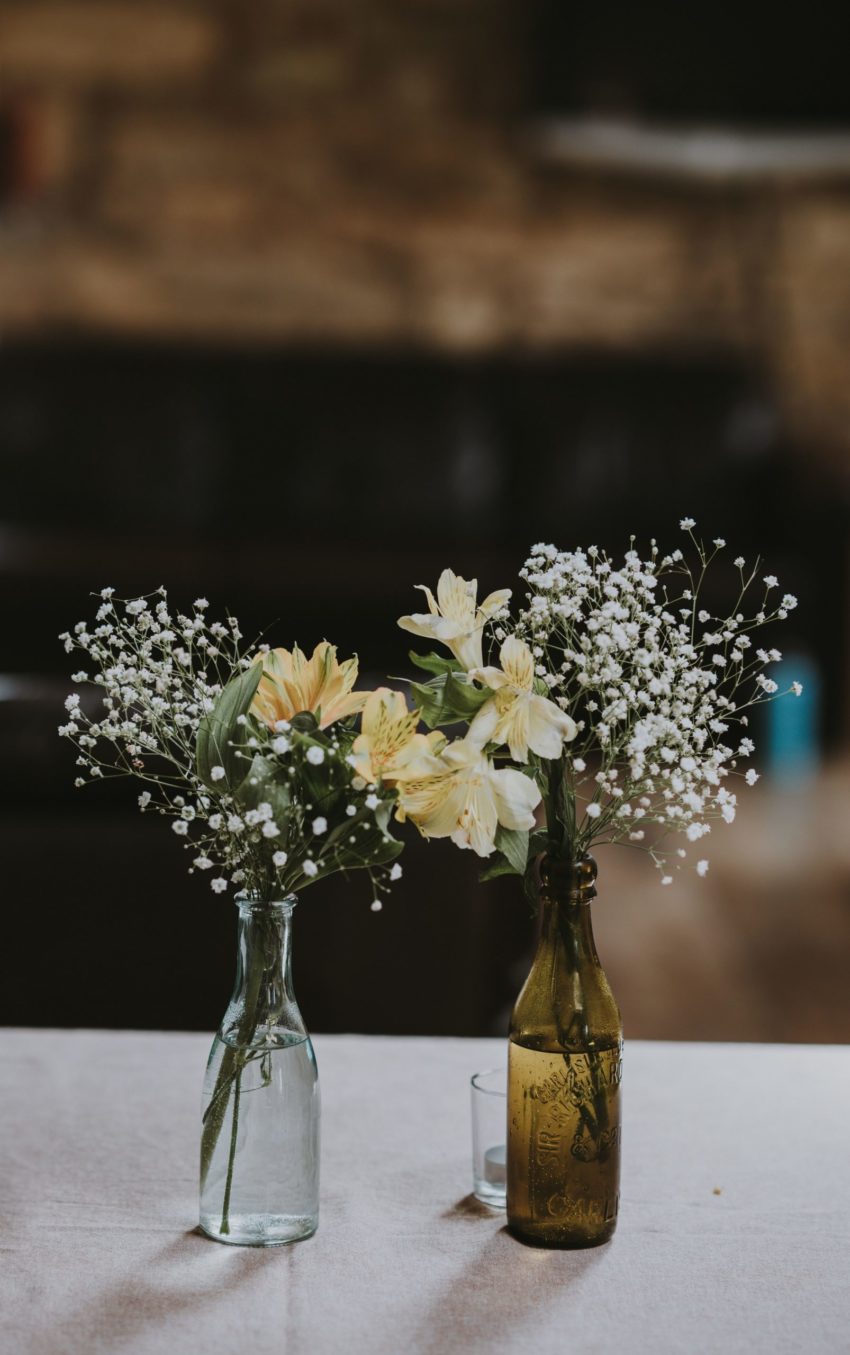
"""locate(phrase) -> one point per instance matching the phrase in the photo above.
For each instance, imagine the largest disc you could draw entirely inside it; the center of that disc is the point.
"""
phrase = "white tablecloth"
(98, 1134)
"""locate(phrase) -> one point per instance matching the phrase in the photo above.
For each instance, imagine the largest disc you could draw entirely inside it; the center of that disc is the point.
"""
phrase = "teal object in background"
(792, 722)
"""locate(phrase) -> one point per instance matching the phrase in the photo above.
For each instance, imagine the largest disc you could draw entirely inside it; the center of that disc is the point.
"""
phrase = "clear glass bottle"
(564, 1071)
(260, 1124)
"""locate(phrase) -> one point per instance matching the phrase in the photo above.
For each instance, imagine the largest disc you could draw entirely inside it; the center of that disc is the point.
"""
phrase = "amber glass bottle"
(564, 1070)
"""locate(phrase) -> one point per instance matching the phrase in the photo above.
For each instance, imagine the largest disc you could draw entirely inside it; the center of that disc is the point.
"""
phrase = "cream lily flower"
(388, 747)
(515, 714)
(454, 617)
(468, 798)
(292, 683)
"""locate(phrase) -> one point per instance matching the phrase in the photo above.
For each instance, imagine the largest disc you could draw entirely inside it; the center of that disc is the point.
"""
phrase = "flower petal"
(429, 596)
(516, 796)
(548, 727)
(483, 724)
(456, 598)
(517, 663)
(493, 678)
(431, 627)
(467, 649)
(493, 602)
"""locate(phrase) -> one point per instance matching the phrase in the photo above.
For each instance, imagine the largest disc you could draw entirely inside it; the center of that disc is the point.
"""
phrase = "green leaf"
(304, 722)
(511, 854)
(265, 782)
(369, 848)
(429, 700)
(499, 867)
(448, 698)
(322, 785)
(464, 697)
(221, 739)
(513, 844)
(373, 843)
(538, 842)
(434, 663)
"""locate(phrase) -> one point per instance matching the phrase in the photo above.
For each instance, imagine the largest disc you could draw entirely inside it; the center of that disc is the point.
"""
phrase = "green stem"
(578, 1031)
(234, 1129)
(231, 1067)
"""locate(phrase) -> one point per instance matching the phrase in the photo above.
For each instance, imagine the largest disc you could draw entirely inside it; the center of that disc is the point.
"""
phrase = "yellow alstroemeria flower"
(468, 798)
(292, 683)
(515, 714)
(388, 747)
(454, 618)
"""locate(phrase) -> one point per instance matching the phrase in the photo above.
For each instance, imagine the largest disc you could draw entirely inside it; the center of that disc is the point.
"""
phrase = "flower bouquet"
(613, 707)
(276, 772)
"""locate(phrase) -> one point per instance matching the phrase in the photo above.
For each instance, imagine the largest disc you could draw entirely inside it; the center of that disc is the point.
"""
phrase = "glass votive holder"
(489, 1132)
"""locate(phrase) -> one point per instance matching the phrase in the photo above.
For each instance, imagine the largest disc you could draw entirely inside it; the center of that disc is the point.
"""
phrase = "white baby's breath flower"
(180, 827)
(281, 744)
(309, 867)
(687, 523)
(797, 688)
(218, 885)
(315, 755)
(593, 810)
(270, 829)
(395, 871)
(320, 825)
(751, 776)
(666, 879)
(202, 863)
(702, 867)
(217, 773)
(280, 859)
(771, 581)
(144, 799)
(376, 905)
(372, 801)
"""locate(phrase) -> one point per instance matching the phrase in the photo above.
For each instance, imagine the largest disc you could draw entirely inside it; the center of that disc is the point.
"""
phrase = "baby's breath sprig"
(659, 687)
(267, 805)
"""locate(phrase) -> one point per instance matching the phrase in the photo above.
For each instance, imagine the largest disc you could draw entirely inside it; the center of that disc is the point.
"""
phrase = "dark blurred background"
(301, 301)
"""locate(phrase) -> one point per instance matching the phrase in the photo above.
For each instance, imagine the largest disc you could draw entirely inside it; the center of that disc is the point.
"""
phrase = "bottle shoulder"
(566, 1009)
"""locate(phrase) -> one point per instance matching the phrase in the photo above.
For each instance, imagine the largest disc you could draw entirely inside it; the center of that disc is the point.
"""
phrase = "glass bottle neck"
(263, 1009)
(566, 928)
(565, 891)
(566, 1003)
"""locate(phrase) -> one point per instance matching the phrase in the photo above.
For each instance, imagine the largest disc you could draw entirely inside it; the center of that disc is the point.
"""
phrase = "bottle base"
(560, 1238)
(260, 1230)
